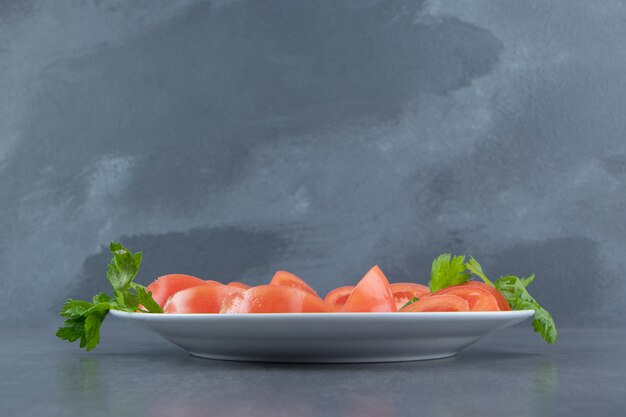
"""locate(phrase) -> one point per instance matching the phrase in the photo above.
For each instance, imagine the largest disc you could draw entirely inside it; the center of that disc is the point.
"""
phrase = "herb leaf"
(102, 298)
(527, 281)
(74, 308)
(83, 319)
(408, 303)
(474, 267)
(447, 270)
(123, 268)
(514, 290)
(92, 329)
(72, 329)
(145, 299)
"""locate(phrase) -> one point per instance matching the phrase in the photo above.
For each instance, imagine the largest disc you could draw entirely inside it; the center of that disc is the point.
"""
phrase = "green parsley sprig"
(514, 290)
(83, 319)
(448, 270)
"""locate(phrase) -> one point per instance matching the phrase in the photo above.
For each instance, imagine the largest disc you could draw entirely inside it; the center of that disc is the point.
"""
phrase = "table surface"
(135, 373)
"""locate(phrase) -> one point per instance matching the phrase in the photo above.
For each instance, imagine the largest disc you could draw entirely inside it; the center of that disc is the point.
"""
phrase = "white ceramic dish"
(325, 337)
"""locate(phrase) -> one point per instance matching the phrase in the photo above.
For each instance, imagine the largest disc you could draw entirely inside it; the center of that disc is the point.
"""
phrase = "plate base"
(322, 361)
(325, 337)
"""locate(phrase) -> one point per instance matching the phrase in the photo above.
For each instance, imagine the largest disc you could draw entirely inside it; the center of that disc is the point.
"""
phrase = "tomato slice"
(445, 302)
(274, 299)
(404, 291)
(239, 285)
(164, 287)
(338, 297)
(502, 303)
(372, 293)
(478, 298)
(200, 299)
(211, 282)
(287, 279)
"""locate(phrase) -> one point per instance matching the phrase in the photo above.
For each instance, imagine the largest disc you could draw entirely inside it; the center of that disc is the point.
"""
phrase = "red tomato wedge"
(287, 279)
(478, 298)
(502, 303)
(239, 285)
(372, 293)
(338, 297)
(274, 299)
(444, 302)
(404, 291)
(200, 299)
(164, 287)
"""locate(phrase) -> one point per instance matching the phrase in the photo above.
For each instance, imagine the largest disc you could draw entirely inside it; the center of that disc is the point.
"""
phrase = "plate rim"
(460, 315)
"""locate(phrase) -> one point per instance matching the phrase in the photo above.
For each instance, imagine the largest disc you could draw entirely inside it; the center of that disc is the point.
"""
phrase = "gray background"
(231, 138)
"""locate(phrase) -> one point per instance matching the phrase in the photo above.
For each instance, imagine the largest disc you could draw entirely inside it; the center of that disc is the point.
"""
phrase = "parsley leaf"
(514, 290)
(92, 329)
(101, 298)
(474, 267)
(145, 298)
(74, 308)
(408, 303)
(83, 319)
(122, 269)
(447, 270)
(72, 329)
(527, 281)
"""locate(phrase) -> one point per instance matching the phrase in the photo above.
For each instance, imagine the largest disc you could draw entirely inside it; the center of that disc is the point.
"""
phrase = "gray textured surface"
(134, 373)
(228, 139)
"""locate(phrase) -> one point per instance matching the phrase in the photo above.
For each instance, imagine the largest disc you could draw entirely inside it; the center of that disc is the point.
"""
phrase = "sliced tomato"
(211, 282)
(287, 279)
(274, 299)
(502, 303)
(164, 287)
(239, 285)
(404, 291)
(338, 297)
(200, 299)
(445, 302)
(478, 298)
(372, 293)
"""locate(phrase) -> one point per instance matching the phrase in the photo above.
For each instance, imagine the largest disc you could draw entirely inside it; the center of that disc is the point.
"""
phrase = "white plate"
(325, 337)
